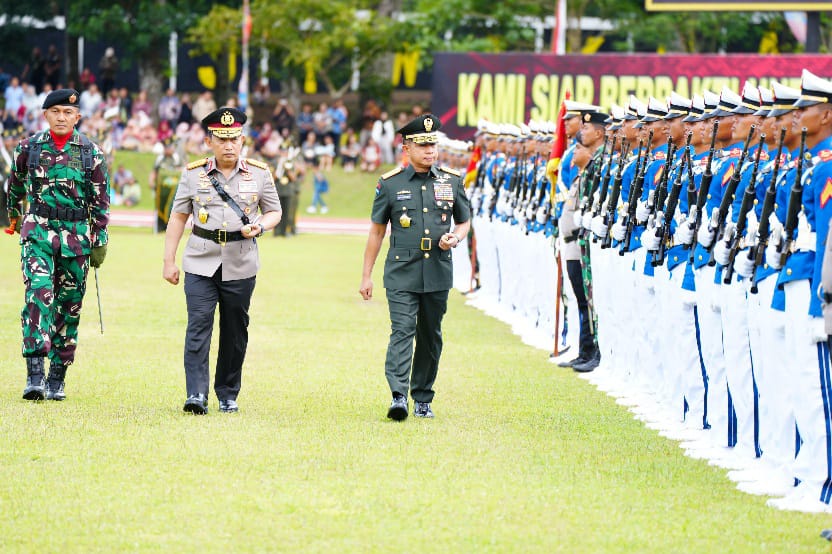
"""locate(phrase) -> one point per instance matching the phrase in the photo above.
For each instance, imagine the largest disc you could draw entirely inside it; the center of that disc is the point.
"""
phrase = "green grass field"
(350, 194)
(522, 457)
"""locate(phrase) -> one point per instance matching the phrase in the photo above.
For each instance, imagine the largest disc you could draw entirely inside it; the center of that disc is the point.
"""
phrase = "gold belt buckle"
(222, 237)
(425, 244)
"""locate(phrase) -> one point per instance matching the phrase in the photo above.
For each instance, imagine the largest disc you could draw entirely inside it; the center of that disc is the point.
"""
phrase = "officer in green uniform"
(63, 177)
(420, 202)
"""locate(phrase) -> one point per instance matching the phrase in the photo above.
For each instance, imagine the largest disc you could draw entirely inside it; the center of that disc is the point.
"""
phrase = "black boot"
(55, 382)
(590, 364)
(35, 383)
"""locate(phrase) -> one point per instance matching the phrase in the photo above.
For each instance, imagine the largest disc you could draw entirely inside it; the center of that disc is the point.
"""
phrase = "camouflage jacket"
(59, 183)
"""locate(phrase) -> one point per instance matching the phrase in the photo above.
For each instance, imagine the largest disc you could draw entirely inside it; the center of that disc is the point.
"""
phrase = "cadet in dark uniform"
(224, 194)
(420, 202)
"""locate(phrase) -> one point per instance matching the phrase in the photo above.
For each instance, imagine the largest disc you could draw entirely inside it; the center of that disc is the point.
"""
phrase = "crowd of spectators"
(317, 137)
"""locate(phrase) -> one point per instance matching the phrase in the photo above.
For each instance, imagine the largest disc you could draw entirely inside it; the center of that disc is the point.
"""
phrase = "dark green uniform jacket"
(420, 209)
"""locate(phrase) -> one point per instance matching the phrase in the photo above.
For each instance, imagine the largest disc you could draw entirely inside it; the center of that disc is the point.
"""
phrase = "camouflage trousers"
(55, 287)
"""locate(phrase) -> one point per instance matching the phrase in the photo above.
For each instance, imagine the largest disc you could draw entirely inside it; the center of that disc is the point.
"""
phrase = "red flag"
(473, 166)
(558, 148)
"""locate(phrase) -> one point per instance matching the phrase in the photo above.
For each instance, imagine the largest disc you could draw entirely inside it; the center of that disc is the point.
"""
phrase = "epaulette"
(394, 171)
(198, 163)
(451, 171)
(257, 163)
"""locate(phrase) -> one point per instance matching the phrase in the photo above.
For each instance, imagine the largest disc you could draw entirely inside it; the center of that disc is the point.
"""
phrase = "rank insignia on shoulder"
(257, 163)
(198, 163)
(451, 171)
(394, 171)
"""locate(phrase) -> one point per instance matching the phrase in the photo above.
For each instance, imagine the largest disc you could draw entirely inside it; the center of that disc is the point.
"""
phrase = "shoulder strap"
(33, 148)
(86, 157)
(228, 200)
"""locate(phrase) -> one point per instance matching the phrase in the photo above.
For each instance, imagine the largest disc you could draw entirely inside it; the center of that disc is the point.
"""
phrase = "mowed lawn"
(522, 456)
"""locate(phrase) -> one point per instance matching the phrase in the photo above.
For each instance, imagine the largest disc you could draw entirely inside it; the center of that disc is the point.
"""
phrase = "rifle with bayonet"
(704, 189)
(728, 198)
(615, 195)
(795, 204)
(670, 208)
(635, 195)
(605, 184)
(758, 251)
(748, 197)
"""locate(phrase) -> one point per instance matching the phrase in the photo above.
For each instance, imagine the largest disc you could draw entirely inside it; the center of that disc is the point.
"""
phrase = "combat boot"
(55, 382)
(35, 382)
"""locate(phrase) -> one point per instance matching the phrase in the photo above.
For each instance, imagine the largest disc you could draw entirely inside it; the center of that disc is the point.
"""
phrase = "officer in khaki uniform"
(223, 194)
(420, 202)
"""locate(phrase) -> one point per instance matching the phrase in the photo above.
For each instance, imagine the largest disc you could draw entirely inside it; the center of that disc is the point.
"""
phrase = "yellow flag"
(592, 44)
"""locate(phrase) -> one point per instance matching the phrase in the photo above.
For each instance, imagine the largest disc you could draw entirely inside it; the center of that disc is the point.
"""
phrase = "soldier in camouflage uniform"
(420, 202)
(63, 178)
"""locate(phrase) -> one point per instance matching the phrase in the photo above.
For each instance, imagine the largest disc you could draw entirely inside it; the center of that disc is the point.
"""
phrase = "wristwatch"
(262, 230)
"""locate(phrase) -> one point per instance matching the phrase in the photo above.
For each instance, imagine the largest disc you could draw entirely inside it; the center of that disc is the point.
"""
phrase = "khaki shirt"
(251, 186)
(420, 210)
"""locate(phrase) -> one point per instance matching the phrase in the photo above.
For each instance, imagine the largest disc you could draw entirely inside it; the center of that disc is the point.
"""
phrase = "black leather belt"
(571, 238)
(220, 236)
(62, 214)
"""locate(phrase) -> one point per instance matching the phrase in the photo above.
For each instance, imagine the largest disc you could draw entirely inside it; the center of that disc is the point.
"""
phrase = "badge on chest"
(404, 219)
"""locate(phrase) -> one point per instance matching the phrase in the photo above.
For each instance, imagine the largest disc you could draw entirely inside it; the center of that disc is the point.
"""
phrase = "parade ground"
(523, 456)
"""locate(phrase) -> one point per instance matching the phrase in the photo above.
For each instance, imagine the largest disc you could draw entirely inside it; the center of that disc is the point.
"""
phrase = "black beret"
(599, 118)
(61, 97)
(422, 130)
(225, 122)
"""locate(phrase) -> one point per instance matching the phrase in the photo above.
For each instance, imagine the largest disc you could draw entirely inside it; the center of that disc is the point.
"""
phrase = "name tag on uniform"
(247, 186)
(443, 191)
(404, 195)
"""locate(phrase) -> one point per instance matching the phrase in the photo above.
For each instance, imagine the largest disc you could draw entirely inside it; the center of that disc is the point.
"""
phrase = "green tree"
(140, 28)
(327, 39)
(13, 32)
(218, 35)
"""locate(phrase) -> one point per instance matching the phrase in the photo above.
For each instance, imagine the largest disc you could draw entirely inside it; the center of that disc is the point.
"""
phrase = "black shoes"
(229, 406)
(589, 364)
(55, 382)
(35, 381)
(571, 363)
(398, 408)
(422, 409)
(196, 404)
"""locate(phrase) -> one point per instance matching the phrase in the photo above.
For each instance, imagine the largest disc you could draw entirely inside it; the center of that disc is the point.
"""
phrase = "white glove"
(706, 235)
(599, 228)
(619, 230)
(540, 216)
(642, 212)
(722, 252)
(650, 239)
(805, 239)
(743, 265)
(773, 248)
(684, 231)
(647, 237)
(817, 330)
(577, 219)
(586, 223)
(751, 227)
